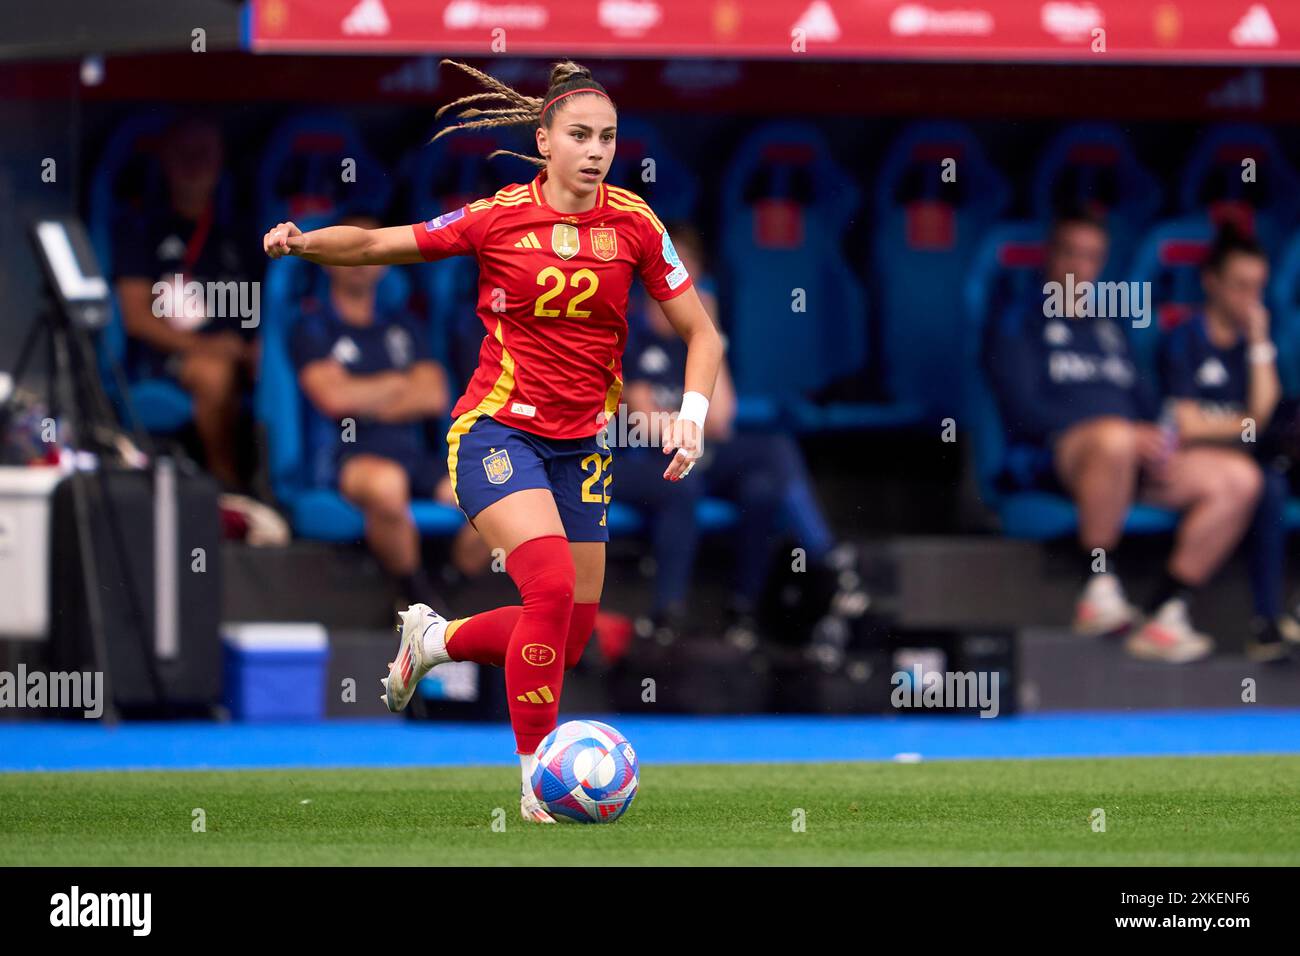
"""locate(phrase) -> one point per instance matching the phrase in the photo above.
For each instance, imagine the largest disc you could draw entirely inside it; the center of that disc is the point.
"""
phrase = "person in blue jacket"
(1081, 421)
(1218, 369)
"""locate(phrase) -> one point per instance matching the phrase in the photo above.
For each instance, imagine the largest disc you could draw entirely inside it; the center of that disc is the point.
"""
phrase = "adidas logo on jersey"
(528, 242)
(1212, 373)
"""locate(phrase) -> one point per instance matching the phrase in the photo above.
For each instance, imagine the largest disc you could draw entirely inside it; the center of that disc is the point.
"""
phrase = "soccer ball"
(586, 771)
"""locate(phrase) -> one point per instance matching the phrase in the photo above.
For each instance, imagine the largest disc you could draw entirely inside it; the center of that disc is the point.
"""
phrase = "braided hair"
(512, 108)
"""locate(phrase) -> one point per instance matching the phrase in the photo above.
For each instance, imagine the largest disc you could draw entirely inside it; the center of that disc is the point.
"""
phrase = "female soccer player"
(527, 450)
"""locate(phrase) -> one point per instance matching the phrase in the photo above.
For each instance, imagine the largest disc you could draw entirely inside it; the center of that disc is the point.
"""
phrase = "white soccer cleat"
(1170, 637)
(531, 809)
(1102, 608)
(422, 648)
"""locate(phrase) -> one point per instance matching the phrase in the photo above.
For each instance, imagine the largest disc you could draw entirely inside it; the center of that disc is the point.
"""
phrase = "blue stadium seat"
(673, 191)
(127, 178)
(926, 233)
(1094, 165)
(1169, 257)
(301, 171)
(786, 207)
(313, 512)
(1212, 180)
(1005, 270)
(713, 515)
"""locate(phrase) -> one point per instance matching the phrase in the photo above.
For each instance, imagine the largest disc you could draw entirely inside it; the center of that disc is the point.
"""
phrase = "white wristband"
(1262, 353)
(694, 407)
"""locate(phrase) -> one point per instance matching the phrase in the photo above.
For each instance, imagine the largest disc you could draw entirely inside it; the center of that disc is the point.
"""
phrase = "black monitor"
(72, 270)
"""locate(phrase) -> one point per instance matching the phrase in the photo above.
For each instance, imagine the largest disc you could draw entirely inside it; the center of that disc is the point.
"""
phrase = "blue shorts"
(488, 460)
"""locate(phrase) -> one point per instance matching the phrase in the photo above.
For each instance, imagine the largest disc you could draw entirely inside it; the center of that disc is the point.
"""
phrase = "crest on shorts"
(564, 240)
(498, 467)
(604, 242)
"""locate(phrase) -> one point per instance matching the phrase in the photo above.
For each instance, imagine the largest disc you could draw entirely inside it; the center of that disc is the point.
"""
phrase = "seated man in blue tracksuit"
(373, 383)
(1079, 421)
(1219, 370)
(762, 474)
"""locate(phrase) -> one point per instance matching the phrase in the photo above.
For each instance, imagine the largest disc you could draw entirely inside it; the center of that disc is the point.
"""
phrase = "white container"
(25, 496)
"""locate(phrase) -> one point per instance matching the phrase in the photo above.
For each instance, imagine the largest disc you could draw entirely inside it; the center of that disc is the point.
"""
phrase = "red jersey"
(552, 294)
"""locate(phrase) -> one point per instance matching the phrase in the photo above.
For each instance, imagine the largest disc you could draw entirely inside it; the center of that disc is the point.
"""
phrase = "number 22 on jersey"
(584, 283)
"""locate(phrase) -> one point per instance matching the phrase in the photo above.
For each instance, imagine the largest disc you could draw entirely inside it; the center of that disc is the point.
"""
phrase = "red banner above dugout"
(1119, 30)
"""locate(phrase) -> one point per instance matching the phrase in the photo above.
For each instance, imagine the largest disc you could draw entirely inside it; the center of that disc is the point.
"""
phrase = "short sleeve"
(455, 233)
(660, 268)
(309, 342)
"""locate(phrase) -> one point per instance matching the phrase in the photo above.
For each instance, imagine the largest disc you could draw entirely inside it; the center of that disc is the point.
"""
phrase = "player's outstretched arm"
(344, 245)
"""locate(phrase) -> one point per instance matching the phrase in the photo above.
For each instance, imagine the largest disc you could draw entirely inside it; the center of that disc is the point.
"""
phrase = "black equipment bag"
(155, 540)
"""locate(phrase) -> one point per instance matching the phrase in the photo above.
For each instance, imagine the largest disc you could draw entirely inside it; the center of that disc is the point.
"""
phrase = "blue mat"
(390, 743)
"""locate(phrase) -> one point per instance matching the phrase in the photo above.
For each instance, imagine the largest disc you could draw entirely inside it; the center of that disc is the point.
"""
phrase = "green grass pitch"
(1158, 811)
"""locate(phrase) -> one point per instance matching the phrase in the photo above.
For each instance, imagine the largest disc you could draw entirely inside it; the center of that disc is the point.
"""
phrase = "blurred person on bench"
(1219, 372)
(763, 475)
(212, 357)
(1082, 420)
(370, 375)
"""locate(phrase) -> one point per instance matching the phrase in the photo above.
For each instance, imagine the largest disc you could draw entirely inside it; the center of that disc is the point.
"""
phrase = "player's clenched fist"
(283, 240)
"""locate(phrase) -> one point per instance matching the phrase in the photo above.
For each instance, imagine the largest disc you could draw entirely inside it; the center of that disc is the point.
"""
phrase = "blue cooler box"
(275, 671)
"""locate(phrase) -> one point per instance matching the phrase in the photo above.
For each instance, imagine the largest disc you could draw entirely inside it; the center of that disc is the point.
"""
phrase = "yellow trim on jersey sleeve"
(509, 196)
(631, 202)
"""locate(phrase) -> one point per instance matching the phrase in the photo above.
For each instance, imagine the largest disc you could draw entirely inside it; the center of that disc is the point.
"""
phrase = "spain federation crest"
(564, 240)
(498, 467)
(604, 242)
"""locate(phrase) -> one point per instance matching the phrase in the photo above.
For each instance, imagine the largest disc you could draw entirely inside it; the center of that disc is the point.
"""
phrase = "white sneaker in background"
(1102, 608)
(1170, 637)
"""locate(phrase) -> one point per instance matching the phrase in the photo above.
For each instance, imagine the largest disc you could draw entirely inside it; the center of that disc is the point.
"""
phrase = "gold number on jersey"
(582, 276)
(599, 464)
(589, 277)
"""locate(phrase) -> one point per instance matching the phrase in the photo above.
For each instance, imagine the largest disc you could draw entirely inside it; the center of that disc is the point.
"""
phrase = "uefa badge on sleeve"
(446, 219)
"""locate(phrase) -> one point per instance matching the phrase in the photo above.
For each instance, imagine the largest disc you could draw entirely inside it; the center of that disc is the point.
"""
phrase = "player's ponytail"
(512, 108)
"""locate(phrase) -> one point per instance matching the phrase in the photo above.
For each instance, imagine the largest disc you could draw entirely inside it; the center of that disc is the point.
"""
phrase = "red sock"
(581, 624)
(483, 638)
(543, 570)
